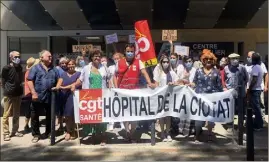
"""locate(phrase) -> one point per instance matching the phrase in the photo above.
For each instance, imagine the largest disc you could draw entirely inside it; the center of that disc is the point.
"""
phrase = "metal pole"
(250, 137)
(240, 116)
(153, 140)
(52, 137)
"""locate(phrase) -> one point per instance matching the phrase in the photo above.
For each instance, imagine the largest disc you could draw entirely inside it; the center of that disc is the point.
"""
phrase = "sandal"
(35, 139)
(7, 137)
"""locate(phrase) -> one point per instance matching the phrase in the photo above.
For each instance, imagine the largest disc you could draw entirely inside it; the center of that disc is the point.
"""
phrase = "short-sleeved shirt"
(43, 81)
(207, 83)
(160, 77)
(249, 69)
(258, 72)
(183, 74)
(234, 76)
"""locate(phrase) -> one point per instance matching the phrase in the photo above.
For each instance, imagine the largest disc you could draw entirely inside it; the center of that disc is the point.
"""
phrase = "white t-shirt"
(258, 72)
(182, 74)
(160, 77)
(249, 69)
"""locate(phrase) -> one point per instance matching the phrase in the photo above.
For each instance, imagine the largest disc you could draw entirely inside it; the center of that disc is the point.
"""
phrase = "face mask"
(129, 54)
(173, 61)
(16, 60)
(104, 63)
(188, 65)
(249, 60)
(165, 65)
(82, 63)
(234, 62)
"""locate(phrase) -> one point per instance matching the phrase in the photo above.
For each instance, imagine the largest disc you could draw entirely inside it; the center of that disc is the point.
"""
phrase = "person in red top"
(128, 70)
(27, 93)
(222, 64)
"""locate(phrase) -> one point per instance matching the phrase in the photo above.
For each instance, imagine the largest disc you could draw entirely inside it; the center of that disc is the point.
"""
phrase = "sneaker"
(16, 134)
(7, 137)
(169, 139)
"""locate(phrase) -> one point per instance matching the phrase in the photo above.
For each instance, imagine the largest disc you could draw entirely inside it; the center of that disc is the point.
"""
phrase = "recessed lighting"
(46, 10)
(188, 9)
(259, 8)
(117, 10)
(223, 8)
(81, 10)
(152, 9)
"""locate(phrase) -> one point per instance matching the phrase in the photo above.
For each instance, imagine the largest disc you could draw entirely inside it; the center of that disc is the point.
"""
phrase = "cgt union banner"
(144, 47)
(147, 104)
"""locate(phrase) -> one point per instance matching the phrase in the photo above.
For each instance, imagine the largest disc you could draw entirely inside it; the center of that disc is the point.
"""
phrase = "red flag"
(144, 45)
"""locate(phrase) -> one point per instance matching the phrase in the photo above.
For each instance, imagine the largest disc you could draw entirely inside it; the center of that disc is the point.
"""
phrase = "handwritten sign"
(182, 50)
(169, 35)
(79, 48)
(112, 38)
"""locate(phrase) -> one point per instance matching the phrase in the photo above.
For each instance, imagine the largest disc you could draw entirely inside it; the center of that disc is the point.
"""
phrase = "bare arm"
(31, 87)
(266, 82)
(76, 84)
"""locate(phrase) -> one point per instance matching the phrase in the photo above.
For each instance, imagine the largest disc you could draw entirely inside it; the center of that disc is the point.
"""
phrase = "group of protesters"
(204, 74)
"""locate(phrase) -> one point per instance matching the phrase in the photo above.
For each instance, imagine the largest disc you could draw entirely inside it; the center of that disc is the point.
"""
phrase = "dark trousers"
(27, 109)
(36, 108)
(255, 104)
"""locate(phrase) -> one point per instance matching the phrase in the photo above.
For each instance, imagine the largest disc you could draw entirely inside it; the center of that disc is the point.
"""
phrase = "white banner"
(181, 50)
(177, 101)
(113, 38)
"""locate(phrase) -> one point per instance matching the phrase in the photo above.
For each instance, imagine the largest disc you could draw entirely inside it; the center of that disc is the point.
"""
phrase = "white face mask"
(16, 60)
(104, 63)
(235, 62)
(165, 65)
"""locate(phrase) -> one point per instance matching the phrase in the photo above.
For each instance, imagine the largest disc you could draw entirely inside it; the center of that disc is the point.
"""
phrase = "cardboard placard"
(169, 35)
(79, 48)
(112, 38)
(182, 50)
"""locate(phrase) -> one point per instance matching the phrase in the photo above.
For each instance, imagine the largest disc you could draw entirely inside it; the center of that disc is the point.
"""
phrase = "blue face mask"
(82, 63)
(173, 61)
(188, 65)
(129, 54)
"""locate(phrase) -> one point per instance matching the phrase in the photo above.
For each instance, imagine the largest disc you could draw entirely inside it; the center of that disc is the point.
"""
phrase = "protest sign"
(88, 104)
(112, 38)
(181, 50)
(131, 38)
(144, 47)
(177, 101)
(169, 35)
(79, 48)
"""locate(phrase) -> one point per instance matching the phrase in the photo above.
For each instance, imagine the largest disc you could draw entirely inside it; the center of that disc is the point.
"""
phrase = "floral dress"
(98, 128)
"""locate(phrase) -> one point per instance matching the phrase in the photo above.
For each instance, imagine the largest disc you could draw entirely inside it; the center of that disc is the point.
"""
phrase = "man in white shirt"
(264, 83)
(255, 88)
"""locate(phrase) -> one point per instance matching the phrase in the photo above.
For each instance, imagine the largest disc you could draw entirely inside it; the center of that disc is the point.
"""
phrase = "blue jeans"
(256, 106)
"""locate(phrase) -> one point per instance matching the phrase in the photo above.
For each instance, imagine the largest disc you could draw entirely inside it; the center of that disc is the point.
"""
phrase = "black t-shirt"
(12, 78)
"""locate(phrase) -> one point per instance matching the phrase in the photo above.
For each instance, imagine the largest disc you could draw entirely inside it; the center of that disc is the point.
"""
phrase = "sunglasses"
(165, 62)
(17, 56)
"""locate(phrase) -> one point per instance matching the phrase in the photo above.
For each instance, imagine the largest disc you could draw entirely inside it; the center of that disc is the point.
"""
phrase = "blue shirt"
(207, 83)
(43, 81)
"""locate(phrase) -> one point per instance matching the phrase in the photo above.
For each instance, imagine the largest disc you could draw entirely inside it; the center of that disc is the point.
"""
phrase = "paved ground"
(224, 148)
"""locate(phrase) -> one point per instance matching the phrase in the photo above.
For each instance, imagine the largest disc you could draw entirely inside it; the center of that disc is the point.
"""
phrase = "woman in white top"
(94, 76)
(174, 61)
(164, 75)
